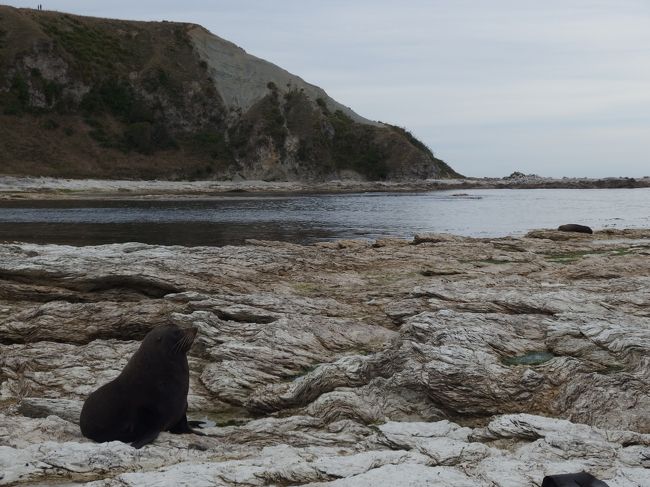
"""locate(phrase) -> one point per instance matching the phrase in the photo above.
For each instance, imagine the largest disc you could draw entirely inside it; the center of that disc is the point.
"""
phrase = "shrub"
(20, 89)
(92, 122)
(96, 51)
(52, 91)
(65, 105)
(353, 147)
(103, 139)
(139, 137)
(412, 139)
(50, 124)
(118, 98)
(240, 134)
(16, 100)
(155, 79)
(274, 125)
(162, 138)
(181, 37)
(212, 144)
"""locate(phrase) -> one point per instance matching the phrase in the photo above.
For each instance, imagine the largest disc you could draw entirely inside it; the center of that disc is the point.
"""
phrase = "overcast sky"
(554, 87)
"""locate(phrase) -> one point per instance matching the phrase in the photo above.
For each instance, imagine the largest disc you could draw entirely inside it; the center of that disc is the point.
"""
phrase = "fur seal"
(582, 479)
(572, 227)
(149, 395)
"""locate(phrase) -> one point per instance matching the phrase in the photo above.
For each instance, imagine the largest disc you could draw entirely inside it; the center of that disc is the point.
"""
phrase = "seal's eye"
(159, 339)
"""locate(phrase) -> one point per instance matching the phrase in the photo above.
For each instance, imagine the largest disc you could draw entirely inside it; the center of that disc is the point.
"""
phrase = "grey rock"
(338, 364)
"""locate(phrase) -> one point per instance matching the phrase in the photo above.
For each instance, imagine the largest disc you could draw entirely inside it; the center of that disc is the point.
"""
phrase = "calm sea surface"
(308, 218)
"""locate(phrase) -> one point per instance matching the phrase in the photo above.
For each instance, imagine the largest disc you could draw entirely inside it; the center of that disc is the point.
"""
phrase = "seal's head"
(171, 339)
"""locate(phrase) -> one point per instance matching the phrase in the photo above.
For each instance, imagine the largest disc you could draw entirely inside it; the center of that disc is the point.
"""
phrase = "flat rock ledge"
(18, 187)
(440, 361)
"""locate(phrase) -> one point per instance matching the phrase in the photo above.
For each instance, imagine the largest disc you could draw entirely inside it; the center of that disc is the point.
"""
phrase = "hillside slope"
(90, 97)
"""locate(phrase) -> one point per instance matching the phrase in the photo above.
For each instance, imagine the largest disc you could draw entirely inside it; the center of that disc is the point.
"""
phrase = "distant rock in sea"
(573, 227)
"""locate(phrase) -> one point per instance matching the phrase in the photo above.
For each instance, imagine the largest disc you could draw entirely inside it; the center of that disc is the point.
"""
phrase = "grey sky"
(557, 88)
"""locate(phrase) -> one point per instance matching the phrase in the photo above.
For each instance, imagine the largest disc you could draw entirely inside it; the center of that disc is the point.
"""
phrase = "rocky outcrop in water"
(438, 361)
(54, 188)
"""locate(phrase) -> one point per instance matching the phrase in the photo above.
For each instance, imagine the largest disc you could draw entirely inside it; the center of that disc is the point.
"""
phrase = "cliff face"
(89, 97)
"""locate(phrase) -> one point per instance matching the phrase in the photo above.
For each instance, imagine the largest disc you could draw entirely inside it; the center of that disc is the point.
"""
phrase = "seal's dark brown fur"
(582, 479)
(149, 395)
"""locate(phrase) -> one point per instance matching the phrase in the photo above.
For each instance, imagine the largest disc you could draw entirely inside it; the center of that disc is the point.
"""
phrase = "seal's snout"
(191, 332)
(185, 343)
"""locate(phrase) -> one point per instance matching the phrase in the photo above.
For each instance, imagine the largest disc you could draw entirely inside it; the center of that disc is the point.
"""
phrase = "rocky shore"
(441, 360)
(52, 188)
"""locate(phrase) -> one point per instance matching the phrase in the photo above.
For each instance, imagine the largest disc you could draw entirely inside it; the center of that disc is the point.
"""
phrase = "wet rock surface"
(438, 361)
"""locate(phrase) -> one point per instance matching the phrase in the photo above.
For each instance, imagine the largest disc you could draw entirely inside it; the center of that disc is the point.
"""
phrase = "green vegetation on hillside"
(117, 97)
(412, 139)
(354, 147)
(141, 131)
(16, 100)
(94, 52)
(273, 118)
(89, 97)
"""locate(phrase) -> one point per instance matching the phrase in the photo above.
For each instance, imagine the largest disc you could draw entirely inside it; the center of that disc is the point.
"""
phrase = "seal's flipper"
(582, 479)
(183, 426)
(146, 439)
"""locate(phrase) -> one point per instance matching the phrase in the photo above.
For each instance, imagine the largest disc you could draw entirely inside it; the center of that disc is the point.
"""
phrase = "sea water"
(305, 218)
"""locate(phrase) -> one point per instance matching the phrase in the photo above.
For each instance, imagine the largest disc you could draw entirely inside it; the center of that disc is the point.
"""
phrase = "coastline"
(12, 187)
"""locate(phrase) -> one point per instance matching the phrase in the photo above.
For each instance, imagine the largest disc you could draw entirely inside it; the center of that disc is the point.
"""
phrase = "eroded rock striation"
(438, 361)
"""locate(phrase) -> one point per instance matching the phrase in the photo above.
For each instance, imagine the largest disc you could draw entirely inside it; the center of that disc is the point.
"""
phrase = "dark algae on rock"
(530, 358)
(89, 97)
